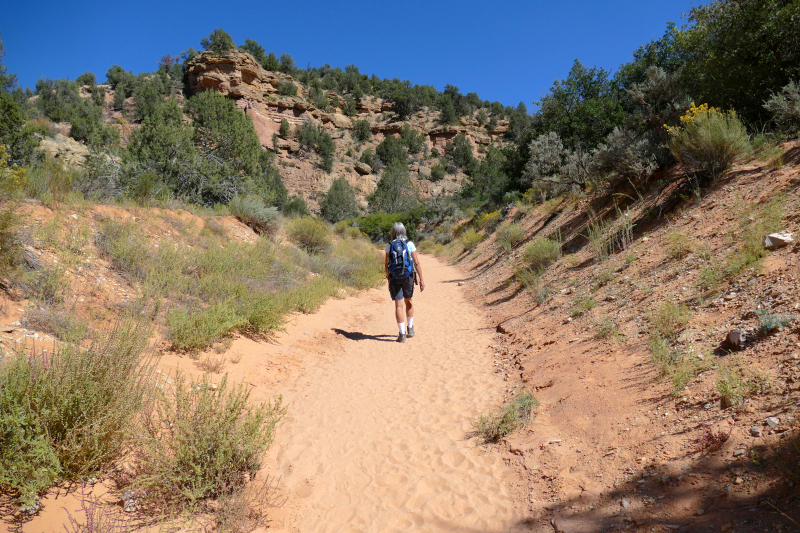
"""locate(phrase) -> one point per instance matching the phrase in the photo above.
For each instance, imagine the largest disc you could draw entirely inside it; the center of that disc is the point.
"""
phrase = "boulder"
(65, 150)
(737, 337)
(777, 240)
(362, 168)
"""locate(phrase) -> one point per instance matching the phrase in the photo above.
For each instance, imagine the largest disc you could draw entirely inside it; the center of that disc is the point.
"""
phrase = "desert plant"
(202, 441)
(494, 426)
(287, 88)
(470, 240)
(539, 254)
(768, 321)
(607, 327)
(708, 140)
(437, 172)
(735, 384)
(125, 246)
(284, 130)
(194, 328)
(679, 245)
(339, 202)
(68, 414)
(10, 247)
(785, 108)
(607, 236)
(361, 131)
(583, 305)
(508, 236)
(310, 234)
(669, 319)
(252, 211)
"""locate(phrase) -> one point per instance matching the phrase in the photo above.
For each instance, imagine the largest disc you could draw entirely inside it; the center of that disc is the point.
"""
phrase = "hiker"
(402, 270)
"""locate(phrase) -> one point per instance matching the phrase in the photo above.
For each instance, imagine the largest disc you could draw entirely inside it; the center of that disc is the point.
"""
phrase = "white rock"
(776, 240)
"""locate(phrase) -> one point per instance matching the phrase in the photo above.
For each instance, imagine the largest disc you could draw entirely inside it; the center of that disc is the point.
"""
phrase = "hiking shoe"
(401, 337)
(410, 332)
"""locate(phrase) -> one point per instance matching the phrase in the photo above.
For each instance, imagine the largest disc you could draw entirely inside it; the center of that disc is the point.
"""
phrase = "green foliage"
(378, 226)
(202, 442)
(735, 383)
(339, 202)
(16, 134)
(361, 131)
(708, 141)
(195, 328)
(769, 321)
(509, 235)
(625, 154)
(10, 247)
(296, 206)
(60, 101)
(514, 415)
(413, 141)
(287, 88)
(539, 254)
(252, 211)
(582, 109)
(391, 150)
(311, 136)
(448, 113)
(310, 234)
(395, 192)
(219, 42)
(785, 108)
(471, 239)
(368, 157)
(460, 153)
(437, 173)
(222, 129)
(552, 169)
(285, 129)
(69, 414)
(678, 245)
(7, 81)
(87, 78)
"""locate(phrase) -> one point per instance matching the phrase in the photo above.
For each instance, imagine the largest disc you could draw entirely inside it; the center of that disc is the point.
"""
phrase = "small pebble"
(701, 512)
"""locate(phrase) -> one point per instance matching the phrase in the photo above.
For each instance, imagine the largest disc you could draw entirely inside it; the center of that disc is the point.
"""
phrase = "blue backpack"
(400, 263)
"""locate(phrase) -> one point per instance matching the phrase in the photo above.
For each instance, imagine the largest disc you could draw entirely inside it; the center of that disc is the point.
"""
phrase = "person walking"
(402, 270)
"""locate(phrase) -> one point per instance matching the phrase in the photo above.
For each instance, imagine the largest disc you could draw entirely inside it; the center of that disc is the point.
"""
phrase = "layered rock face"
(256, 91)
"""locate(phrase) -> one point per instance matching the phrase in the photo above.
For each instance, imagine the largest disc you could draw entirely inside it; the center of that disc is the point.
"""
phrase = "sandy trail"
(375, 439)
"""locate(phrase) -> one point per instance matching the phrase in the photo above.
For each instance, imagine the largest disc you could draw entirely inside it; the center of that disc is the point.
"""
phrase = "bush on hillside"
(361, 131)
(252, 211)
(539, 254)
(287, 88)
(69, 414)
(437, 172)
(785, 108)
(219, 41)
(339, 202)
(203, 441)
(391, 150)
(309, 234)
(708, 141)
(395, 191)
(624, 154)
(285, 129)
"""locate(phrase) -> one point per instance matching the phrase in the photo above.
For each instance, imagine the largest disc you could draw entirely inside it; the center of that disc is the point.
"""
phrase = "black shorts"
(401, 288)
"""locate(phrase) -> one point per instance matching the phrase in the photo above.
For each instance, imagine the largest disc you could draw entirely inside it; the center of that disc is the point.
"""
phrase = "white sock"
(411, 321)
(402, 328)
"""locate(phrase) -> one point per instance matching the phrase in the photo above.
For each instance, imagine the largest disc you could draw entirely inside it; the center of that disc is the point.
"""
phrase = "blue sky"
(504, 50)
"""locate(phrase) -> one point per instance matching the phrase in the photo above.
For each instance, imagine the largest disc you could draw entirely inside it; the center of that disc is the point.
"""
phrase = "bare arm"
(417, 268)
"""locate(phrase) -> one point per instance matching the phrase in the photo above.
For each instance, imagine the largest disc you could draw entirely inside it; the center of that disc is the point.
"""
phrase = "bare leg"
(398, 311)
(409, 308)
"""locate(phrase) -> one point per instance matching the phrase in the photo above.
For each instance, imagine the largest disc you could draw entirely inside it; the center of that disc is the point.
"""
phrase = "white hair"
(399, 231)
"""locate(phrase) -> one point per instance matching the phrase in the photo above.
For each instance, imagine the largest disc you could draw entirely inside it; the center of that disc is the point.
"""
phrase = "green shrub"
(202, 442)
(339, 202)
(354, 263)
(607, 236)
(437, 172)
(47, 286)
(708, 140)
(10, 247)
(68, 414)
(285, 129)
(539, 254)
(309, 296)
(471, 239)
(515, 414)
(510, 235)
(218, 42)
(193, 329)
(734, 383)
(769, 321)
(287, 88)
(785, 107)
(378, 226)
(252, 211)
(361, 131)
(309, 234)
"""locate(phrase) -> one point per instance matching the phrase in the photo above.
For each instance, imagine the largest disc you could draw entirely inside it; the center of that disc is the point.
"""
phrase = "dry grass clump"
(679, 245)
(539, 254)
(494, 426)
(735, 383)
(471, 239)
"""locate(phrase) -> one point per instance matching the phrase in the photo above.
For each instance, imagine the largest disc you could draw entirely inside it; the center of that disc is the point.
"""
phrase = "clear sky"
(506, 50)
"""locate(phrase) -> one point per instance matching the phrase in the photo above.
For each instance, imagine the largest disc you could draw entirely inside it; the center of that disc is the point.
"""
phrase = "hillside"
(702, 437)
